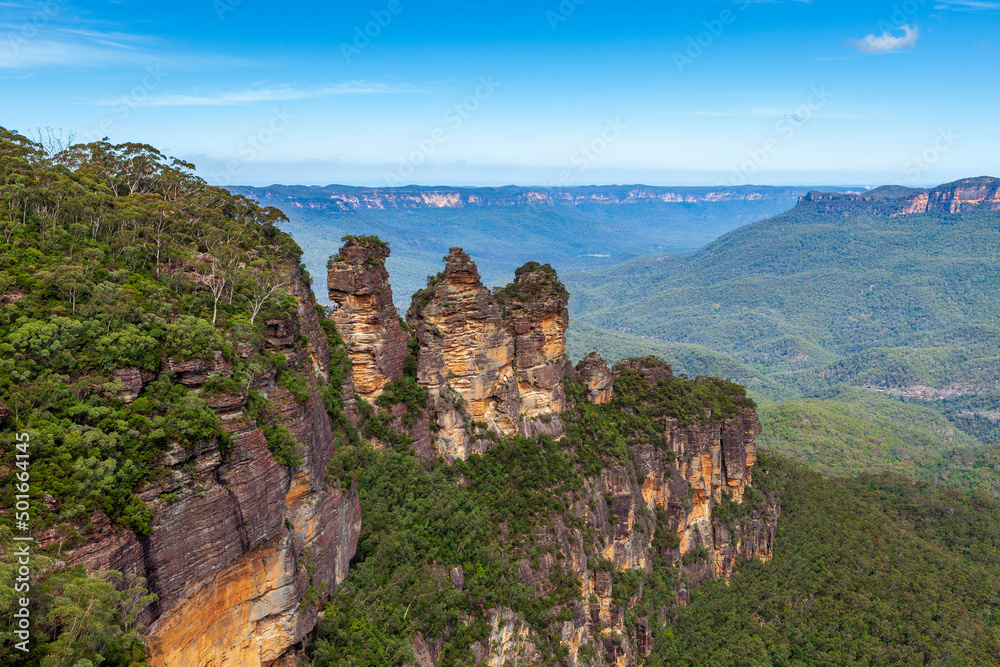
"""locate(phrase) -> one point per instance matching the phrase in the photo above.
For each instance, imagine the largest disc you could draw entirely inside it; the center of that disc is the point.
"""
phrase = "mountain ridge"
(347, 198)
(963, 195)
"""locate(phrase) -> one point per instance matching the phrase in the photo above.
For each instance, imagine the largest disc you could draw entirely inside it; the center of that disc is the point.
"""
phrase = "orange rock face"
(492, 363)
(230, 537)
(366, 317)
(600, 380)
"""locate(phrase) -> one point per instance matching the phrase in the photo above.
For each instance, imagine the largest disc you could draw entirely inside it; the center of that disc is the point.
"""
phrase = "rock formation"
(600, 380)
(366, 318)
(492, 363)
(238, 542)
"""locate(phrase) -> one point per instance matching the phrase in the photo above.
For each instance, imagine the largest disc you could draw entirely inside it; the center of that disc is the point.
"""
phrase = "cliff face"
(660, 509)
(492, 363)
(971, 194)
(237, 543)
(366, 317)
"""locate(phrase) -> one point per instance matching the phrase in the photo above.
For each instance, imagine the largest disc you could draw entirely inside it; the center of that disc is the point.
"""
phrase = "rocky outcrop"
(366, 317)
(664, 508)
(970, 194)
(492, 363)
(600, 380)
(240, 548)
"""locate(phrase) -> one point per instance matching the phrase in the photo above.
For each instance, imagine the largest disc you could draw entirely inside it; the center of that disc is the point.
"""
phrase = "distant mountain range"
(570, 228)
(881, 305)
(349, 198)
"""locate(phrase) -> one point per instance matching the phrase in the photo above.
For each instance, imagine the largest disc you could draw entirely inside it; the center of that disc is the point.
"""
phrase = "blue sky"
(548, 92)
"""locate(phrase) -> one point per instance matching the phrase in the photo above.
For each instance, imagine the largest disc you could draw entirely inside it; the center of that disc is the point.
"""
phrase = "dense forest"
(116, 256)
(811, 310)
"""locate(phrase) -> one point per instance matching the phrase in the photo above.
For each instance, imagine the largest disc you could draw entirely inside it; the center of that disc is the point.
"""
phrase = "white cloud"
(887, 41)
(274, 94)
(968, 5)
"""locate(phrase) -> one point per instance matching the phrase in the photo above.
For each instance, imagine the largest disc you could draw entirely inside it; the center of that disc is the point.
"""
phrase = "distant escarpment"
(970, 194)
(347, 198)
(645, 476)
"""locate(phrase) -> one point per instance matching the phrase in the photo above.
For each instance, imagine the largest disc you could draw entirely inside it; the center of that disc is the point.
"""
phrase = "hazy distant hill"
(572, 228)
(897, 290)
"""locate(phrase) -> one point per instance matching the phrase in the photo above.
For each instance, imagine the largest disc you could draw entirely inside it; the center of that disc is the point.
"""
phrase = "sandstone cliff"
(240, 547)
(366, 317)
(970, 194)
(492, 363)
(662, 507)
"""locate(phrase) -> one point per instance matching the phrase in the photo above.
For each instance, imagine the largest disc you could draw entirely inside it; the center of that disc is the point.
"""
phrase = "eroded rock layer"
(492, 363)
(660, 509)
(970, 194)
(366, 317)
(237, 541)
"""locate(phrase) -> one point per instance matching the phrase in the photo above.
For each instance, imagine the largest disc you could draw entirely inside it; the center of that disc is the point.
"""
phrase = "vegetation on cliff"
(133, 295)
(818, 304)
(871, 570)
(488, 516)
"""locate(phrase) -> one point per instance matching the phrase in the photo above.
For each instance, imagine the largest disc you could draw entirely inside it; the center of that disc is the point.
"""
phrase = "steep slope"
(524, 491)
(866, 291)
(166, 360)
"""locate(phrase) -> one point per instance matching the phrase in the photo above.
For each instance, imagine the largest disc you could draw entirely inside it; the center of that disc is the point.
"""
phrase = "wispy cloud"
(764, 112)
(887, 41)
(59, 46)
(968, 5)
(273, 94)
(53, 40)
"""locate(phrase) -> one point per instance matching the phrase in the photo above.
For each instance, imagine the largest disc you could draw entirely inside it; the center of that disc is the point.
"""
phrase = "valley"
(223, 469)
(571, 228)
